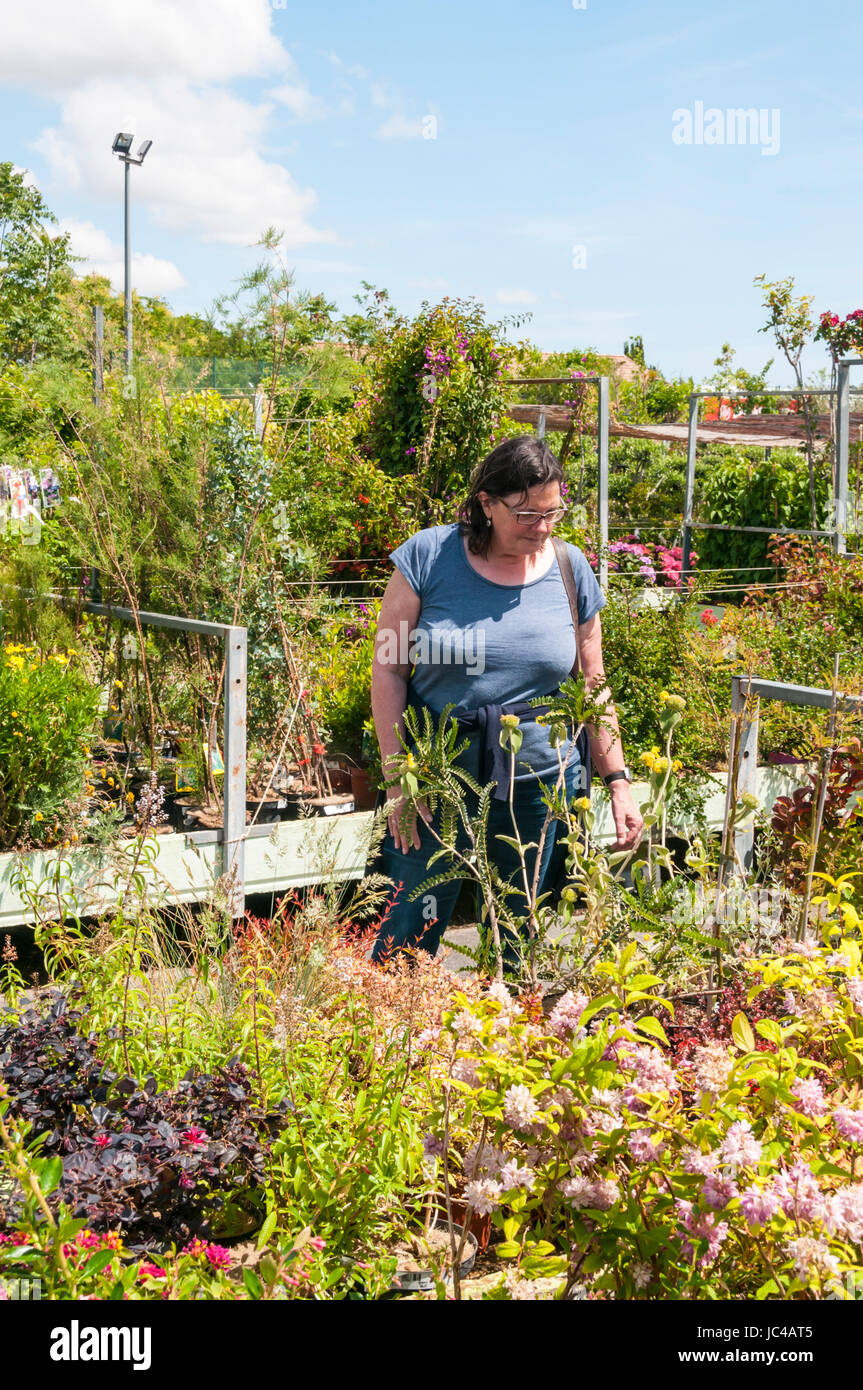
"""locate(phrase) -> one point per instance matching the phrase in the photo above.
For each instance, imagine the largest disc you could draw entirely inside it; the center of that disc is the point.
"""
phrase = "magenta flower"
(194, 1137)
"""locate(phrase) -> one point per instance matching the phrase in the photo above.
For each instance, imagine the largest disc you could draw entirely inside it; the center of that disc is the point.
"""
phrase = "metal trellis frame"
(235, 639)
(840, 498)
(743, 752)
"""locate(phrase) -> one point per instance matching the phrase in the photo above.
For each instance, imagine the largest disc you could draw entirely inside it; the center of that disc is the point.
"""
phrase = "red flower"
(194, 1137)
(318, 749)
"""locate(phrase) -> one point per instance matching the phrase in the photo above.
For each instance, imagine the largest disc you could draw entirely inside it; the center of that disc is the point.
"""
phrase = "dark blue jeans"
(421, 924)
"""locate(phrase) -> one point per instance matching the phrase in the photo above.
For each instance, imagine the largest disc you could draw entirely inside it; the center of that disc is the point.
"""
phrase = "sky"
(571, 159)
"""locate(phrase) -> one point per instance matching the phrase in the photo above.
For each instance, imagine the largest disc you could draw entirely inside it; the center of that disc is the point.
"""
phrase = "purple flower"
(798, 1192)
(433, 1147)
(642, 1146)
(758, 1207)
(717, 1191)
(694, 1161)
(849, 1123)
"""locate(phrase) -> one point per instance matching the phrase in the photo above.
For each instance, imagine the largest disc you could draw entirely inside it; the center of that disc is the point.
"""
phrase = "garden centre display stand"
(186, 867)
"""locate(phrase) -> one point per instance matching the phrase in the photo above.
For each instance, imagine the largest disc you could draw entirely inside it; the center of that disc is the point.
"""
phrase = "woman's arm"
(606, 749)
(400, 611)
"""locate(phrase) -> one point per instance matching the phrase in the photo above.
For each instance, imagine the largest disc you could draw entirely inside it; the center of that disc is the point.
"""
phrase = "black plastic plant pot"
(423, 1280)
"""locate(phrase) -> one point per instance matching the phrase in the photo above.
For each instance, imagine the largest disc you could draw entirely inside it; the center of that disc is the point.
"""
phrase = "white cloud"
(101, 256)
(205, 173)
(509, 296)
(298, 99)
(67, 44)
(401, 127)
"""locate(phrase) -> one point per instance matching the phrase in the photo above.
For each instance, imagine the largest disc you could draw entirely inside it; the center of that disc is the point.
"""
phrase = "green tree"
(790, 321)
(35, 271)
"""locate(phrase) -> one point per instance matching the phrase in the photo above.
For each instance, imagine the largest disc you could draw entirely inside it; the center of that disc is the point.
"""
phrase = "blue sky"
(463, 149)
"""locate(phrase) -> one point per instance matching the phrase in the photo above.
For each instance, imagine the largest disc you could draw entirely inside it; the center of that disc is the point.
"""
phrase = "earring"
(488, 521)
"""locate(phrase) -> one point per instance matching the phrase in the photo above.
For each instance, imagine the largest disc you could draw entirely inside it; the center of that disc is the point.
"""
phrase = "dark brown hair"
(513, 466)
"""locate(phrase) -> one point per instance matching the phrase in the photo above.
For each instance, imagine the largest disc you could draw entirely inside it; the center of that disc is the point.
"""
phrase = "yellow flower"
(675, 701)
(86, 752)
(119, 685)
(130, 797)
(110, 781)
(38, 816)
(677, 765)
(14, 714)
(509, 721)
(582, 804)
(410, 761)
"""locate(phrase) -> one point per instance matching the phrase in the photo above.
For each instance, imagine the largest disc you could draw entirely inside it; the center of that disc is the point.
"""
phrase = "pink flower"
(810, 1096)
(740, 1148)
(642, 1146)
(718, 1191)
(102, 1141)
(151, 1272)
(218, 1256)
(482, 1194)
(849, 1123)
(758, 1207)
(565, 1017)
(798, 1192)
(845, 1212)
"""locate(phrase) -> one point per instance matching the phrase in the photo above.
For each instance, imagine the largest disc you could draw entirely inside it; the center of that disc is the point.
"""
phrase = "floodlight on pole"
(122, 149)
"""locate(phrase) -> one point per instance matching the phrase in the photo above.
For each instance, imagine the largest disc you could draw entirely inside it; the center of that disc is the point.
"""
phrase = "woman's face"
(512, 535)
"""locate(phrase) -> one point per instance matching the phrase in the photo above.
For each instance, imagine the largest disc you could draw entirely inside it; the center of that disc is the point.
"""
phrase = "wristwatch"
(625, 774)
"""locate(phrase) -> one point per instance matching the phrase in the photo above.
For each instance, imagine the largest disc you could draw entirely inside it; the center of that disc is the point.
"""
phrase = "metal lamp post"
(122, 149)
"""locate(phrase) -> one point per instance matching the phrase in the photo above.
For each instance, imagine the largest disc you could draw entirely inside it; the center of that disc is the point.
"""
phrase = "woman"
(477, 615)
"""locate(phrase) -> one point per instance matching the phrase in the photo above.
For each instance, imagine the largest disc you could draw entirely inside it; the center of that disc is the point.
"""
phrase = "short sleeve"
(590, 597)
(413, 558)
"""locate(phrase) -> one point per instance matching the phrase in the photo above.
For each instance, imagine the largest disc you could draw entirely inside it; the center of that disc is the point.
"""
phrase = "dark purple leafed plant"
(160, 1165)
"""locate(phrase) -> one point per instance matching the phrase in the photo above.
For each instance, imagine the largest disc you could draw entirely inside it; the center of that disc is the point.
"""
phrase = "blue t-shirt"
(477, 642)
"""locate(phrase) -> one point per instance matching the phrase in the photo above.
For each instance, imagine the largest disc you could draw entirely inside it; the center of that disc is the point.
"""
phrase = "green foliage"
(434, 395)
(648, 650)
(35, 270)
(741, 490)
(47, 707)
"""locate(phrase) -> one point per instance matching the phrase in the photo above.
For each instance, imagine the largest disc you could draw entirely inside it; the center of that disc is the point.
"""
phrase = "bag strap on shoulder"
(567, 574)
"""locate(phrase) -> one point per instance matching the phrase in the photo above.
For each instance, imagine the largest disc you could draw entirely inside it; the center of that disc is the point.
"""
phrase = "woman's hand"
(404, 830)
(628, 820)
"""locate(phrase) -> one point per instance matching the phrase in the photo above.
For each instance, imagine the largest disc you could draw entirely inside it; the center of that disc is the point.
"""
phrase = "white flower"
(641, 1274)
(519, 1107)
(466, 1024)
(482, 1194)
(511, 1175)
(464, 1069)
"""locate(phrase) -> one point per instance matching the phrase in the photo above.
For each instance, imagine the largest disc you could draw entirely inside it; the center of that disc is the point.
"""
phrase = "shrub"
(729, 1173)
(739, 491)
(47, 707)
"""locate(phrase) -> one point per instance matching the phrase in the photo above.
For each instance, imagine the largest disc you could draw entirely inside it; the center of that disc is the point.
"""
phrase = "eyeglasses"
(531, 518)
